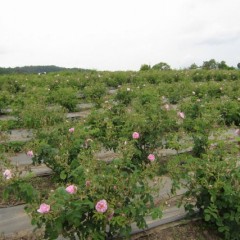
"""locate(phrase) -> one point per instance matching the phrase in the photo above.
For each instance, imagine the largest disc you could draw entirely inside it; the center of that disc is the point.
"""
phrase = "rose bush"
(213, 184)
(102, 200)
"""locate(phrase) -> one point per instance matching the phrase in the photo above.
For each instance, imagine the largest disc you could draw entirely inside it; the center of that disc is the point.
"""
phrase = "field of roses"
(136, 115)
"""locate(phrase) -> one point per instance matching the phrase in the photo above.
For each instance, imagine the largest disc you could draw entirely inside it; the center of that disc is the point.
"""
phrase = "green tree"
(238, 65)
(145, 67)
(211, 64)
(193, 66)
(222, 65)
(161, 66)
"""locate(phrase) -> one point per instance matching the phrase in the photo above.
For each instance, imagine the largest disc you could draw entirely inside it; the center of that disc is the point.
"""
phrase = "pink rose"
(101, 206)
(151, 157)
(87, 183)
(181, 115)
(7, 174)
(71, 189)
(135, 135)
(237, 132)
(71, 130)
(44, 208)
(30, 153)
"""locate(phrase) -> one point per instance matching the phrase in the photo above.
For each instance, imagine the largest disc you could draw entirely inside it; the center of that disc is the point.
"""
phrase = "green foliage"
(211, 64)
(213, 182)
(95, 93)
(14, 146)
(198, 76)
(145, 67)
(125, 95)
(147, 102)
(9, 124)
(21, 190)
(36, 115)
(37, 69)
(57, 148)
(5, 100)
(193, 66)
(161, 66)
(222, 65)
(120, 183)
(66, 97)
(145, 113)
(230, 112)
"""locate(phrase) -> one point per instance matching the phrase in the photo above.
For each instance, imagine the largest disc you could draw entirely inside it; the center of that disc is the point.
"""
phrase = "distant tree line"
(159, 66)
(207, 65)
(212, 64)
(38, 69)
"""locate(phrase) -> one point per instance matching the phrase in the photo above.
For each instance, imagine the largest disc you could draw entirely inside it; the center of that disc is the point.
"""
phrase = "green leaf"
(5, 194)
(157, 213)
(89, 203)
(63, 175)
(207, 217)
(223, 229)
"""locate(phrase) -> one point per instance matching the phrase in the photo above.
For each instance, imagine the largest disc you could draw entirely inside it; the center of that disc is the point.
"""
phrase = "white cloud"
(118, 34)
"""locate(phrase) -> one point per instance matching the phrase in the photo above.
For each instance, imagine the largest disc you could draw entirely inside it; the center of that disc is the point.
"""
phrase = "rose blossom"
(71, 189)
(71, 130)
(181, 115)
(7, 174)
(30, 153)
(87, 183)
(44, 208)
(135, 135)
(151, 157)
(101, 206)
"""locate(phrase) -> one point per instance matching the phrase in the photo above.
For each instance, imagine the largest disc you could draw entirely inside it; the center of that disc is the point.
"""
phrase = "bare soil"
(193, 230)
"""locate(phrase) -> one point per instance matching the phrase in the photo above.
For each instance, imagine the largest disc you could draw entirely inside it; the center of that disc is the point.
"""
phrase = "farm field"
(93, 153)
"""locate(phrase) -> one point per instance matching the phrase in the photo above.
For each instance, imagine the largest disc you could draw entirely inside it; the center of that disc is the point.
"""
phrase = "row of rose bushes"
(15, 83)
(94, 198)
(100, 199)
(64, 88)
(160, 121)
(151, 113)
(146, 109)
(212, 180)
(70, 153)
(222, 98)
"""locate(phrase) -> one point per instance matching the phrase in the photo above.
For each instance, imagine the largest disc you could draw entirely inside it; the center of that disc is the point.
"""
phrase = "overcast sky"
(118, 34)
